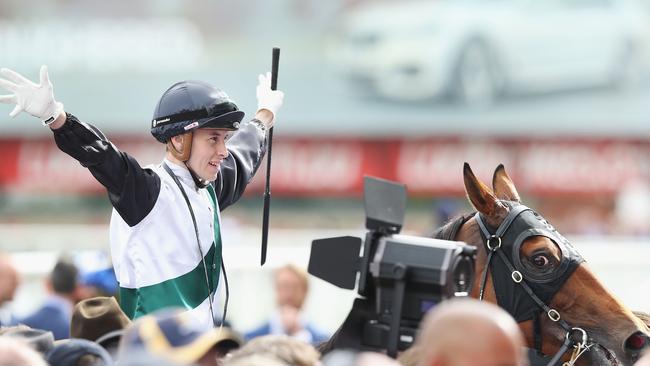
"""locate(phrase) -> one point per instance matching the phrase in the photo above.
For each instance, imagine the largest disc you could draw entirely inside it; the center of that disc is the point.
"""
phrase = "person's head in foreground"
(288, 350)
(14, 352)
(356, 358)
(175, 336)
(468, 332)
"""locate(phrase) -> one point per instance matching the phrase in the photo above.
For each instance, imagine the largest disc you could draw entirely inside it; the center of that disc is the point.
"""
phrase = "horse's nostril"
(636, 342)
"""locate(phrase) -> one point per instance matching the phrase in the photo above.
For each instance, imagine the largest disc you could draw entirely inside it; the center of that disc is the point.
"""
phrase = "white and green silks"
(157, 262)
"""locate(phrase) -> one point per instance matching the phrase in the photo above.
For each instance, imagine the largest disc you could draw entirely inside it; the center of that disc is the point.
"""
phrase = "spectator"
(78, 352)
(230, 342)
(9, 281)
(410, 357)
(100, 320)
(289, 350)
(100, 283)
(175, 336)
(354, 358)
(15, 353)
(291, 288)
(56, 312)
(468, 332)
(254, 360)
(143, 358)
(375, 359)
(39, 340)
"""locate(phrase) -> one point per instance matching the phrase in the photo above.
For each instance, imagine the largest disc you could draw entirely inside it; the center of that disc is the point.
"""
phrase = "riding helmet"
(191, 104)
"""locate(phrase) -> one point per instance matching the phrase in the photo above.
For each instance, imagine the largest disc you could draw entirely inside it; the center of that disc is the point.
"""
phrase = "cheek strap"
(186, 147)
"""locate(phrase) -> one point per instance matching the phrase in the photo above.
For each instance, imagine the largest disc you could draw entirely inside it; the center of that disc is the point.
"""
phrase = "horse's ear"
(503, 187)
(483, 200)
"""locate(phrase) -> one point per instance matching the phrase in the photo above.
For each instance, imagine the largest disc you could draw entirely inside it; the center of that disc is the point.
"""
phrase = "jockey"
(164, 230)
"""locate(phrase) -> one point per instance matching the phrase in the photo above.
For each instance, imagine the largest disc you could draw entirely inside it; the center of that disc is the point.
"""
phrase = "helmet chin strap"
(197, 180)
(184, 155)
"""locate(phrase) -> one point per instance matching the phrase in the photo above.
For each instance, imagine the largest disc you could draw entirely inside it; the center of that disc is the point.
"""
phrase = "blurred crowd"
(81, 324)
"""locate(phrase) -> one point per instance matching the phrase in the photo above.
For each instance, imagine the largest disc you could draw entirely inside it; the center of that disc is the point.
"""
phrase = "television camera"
(400, 277)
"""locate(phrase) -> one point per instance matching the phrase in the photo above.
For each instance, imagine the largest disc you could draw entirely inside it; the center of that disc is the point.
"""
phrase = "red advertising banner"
(335, 167)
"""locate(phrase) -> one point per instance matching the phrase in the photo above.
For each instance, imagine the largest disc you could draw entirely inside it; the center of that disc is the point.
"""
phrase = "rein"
(493, 244)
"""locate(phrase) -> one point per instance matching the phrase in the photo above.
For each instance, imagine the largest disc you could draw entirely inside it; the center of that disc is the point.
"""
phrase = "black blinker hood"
(521, 224)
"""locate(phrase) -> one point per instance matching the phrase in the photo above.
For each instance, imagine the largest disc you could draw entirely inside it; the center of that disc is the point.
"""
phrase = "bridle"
(526, 296)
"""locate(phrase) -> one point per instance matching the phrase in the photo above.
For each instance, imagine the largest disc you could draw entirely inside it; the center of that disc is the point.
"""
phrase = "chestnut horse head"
(540, 279)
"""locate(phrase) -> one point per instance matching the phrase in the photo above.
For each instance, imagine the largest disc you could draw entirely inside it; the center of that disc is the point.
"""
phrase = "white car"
(477, 50)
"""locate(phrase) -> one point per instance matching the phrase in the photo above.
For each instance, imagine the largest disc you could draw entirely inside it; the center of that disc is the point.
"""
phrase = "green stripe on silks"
(186, 291)
(217, 229)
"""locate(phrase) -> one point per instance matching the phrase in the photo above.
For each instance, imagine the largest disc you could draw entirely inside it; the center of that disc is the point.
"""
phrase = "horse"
(546, 286)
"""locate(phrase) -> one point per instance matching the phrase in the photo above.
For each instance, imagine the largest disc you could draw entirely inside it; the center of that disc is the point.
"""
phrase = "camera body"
(434, 270)
(400, 277)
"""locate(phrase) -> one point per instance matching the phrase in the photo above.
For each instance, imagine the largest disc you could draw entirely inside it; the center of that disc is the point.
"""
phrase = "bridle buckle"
(578, 349)
(583, 338)
(489, 241)
(554, 315)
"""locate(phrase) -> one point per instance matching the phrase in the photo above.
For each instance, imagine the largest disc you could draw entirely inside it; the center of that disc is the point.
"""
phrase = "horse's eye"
(540, 260)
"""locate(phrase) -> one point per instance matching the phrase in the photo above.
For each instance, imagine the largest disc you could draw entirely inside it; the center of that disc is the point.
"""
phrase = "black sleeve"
(133, 191)
(246, 150)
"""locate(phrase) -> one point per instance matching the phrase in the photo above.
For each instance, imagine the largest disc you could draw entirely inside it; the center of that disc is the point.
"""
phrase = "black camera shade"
(336, 260)
(385, 204)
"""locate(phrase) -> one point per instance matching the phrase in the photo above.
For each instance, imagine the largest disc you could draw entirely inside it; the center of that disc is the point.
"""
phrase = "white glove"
(35, 99)
(268, 99)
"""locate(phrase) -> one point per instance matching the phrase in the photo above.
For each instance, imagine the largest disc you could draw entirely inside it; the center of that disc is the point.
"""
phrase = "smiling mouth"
(214, 164)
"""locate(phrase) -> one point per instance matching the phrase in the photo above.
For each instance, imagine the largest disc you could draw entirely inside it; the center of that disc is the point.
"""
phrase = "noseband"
(529, 292)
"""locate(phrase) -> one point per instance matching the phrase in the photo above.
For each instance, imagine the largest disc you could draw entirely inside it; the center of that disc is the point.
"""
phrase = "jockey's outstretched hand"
(267, 99)
(35, 99)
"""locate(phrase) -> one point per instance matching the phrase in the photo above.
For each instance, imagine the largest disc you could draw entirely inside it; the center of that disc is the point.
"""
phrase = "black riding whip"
(267, 191)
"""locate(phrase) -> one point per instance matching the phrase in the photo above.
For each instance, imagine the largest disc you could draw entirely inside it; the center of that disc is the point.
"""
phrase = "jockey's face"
(208, 151)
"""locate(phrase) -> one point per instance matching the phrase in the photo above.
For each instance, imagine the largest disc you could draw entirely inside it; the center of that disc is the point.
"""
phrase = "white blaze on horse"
(541, 280)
